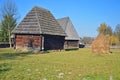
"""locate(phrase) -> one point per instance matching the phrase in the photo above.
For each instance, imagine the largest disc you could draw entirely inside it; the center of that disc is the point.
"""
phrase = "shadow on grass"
(71, 49)
(5, 67)
(5, 56)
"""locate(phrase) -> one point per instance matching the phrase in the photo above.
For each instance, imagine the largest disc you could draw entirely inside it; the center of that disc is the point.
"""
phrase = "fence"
(115, 47)
(5, 44)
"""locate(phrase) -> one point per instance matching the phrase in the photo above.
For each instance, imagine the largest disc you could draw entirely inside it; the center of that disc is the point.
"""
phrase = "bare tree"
(87, 40)
(117, 31)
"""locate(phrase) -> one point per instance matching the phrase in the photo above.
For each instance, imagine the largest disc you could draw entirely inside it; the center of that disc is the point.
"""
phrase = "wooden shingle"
(39, 21)
(68, 28)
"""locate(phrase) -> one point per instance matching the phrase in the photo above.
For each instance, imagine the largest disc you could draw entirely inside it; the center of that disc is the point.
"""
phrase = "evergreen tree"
(8, 24)
(9, 20)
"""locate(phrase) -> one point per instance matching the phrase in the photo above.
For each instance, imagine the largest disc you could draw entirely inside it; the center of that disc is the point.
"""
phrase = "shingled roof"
(68, 28)
(39, 21)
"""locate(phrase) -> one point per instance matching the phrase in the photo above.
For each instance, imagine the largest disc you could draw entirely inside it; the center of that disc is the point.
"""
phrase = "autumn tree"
(9, 15)
(102, 28)
(108, 32)
(113, 40)
(105, 29)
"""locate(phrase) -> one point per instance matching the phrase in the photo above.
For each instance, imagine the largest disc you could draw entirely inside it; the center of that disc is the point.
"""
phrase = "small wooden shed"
(39, 30)
(72, 38)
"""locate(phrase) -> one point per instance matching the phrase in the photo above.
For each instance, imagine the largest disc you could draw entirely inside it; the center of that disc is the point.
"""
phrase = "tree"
(117, 31)
(114, 38)
(9, 19)
(8, 25)
(0, 33)
(105, 29)
(109, 31)
(102, 29)
(87, 40)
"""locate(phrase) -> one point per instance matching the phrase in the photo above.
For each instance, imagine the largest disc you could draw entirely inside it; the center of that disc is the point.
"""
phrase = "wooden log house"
(39, 30)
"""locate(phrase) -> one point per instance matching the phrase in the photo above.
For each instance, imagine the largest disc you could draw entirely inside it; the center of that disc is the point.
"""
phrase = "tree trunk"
(9, 35)
(9, 39)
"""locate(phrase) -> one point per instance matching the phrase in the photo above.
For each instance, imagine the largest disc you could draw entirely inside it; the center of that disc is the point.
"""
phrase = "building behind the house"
(72, 38)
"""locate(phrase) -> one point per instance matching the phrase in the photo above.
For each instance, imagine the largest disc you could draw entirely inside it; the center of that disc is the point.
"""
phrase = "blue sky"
(86, 15)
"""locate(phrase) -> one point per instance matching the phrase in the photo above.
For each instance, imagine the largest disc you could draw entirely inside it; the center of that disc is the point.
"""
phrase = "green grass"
(65, 65)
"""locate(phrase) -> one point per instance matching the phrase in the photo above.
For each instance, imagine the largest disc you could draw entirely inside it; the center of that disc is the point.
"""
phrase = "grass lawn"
(65, 65)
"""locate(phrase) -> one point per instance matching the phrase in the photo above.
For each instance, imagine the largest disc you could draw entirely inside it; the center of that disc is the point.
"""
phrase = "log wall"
(71, 44)
(28, 41)
(52, 42)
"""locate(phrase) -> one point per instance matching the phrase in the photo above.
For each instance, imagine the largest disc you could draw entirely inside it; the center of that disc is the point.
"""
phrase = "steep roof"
(68, 28)
(39, 21)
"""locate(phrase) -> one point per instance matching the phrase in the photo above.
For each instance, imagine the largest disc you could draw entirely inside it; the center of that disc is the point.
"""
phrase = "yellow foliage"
(112, 39)
(102, 28)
